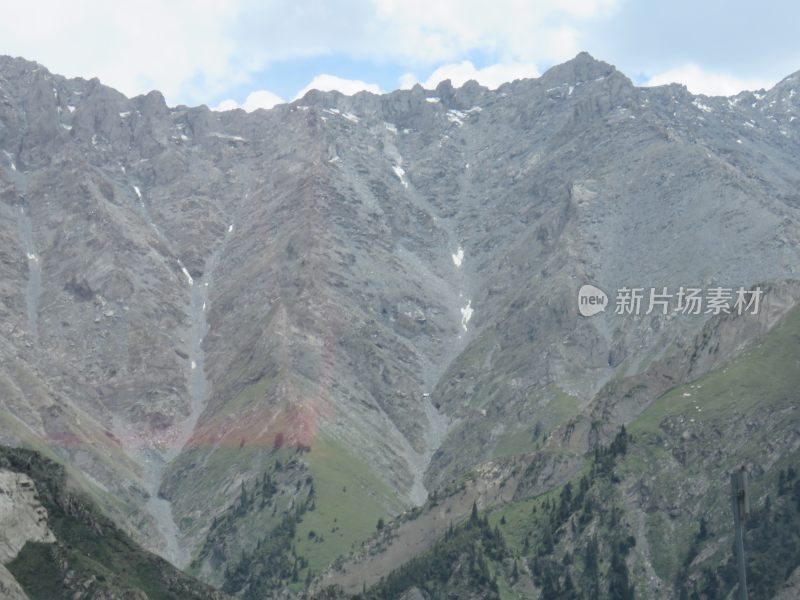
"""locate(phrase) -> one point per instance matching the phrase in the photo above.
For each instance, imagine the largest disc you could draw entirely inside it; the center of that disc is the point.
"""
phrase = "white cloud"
(198, 50)
(407, 81)
(492, 76)
(329, 83)
(699, 81)
(227, 105)
(517, 30)
(254, 101)
(179, 47)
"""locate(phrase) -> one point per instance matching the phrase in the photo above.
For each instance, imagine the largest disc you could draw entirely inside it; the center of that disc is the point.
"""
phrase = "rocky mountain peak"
(583, 68)
(375, 292)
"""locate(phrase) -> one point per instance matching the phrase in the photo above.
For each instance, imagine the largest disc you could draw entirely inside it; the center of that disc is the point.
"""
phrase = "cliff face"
(390, 281)
(23, 517)
(55, 543)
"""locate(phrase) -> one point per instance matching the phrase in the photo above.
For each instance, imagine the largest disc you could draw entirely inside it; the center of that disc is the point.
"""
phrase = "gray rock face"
(398, 273)
(791, 588)
(22, 517)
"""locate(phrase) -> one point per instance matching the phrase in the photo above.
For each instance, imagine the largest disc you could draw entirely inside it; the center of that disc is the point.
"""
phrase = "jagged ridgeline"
(290, 350)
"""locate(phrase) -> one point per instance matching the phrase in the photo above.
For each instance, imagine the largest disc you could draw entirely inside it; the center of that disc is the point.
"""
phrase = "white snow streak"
(466, 314)
(10, 160)
(456, 116)
(401, 175)
(701, 106)
(225, 136)
(458, 257)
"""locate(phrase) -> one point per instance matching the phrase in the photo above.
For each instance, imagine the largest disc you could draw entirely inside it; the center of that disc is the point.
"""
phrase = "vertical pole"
(740, 510)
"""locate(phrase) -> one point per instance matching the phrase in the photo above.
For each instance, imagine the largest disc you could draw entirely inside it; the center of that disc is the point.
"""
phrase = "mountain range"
(334, 349)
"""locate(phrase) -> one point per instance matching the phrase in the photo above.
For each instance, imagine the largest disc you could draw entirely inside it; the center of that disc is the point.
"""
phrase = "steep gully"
(25, 233)
(34, 288)
(154, 457)
(436, 424)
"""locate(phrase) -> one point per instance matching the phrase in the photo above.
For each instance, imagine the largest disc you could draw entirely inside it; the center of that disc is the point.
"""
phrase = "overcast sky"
(229, 53)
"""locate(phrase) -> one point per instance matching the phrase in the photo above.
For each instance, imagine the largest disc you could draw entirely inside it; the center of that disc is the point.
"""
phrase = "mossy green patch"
(350, 499)
(766, 373)
(555, 409)
(514, 443)
(36, 572)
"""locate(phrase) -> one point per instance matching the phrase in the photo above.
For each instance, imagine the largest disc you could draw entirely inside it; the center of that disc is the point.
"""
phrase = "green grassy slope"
(350, 500)
(652, 517)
